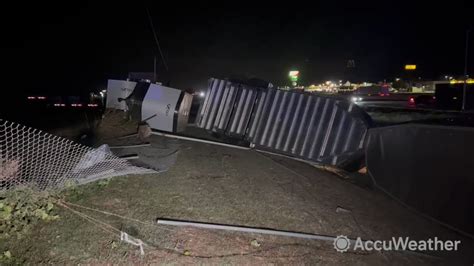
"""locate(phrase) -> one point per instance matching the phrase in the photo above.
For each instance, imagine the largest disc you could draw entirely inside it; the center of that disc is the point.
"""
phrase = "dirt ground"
(215, 184)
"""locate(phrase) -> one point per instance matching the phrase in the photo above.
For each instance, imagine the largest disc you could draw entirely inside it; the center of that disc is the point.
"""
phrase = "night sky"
(78, 47)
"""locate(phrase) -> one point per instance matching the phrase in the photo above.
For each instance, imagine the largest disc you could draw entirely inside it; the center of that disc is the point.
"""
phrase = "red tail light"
(411, 100)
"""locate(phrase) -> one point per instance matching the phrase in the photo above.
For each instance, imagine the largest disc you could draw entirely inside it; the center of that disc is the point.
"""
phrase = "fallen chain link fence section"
(35, 158)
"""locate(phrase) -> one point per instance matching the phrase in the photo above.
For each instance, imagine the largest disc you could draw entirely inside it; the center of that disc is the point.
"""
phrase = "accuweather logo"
(343, 244)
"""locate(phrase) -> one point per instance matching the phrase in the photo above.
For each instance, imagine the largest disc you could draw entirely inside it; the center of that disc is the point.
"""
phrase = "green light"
(293, 74)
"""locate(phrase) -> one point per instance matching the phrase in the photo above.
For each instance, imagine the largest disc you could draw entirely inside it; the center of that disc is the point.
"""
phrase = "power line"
(156, 38)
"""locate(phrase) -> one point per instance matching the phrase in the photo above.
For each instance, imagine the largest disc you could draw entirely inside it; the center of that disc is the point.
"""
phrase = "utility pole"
(464, 89)
(154, 69)
(156, 38)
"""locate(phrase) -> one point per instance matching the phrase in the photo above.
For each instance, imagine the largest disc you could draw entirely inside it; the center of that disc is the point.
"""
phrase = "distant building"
(430, 86)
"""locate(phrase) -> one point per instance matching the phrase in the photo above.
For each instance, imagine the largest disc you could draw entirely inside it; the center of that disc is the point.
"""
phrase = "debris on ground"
(340, 209)
(256, 192)
(363, 170)
(144, 132)
(255, 243)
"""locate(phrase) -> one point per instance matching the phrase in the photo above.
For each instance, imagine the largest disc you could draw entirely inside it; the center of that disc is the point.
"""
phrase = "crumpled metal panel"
(316, 128)
(242, 112)
(227, 107)
(308, 126)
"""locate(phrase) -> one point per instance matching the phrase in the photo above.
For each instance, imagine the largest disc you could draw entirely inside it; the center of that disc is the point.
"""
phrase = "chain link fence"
(35, 158)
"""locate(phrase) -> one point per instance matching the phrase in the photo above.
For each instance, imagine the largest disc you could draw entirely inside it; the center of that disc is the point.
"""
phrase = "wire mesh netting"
(33, 157)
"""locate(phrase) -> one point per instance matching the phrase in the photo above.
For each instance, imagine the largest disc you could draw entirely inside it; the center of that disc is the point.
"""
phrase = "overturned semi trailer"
(163, 108)
(321, 129)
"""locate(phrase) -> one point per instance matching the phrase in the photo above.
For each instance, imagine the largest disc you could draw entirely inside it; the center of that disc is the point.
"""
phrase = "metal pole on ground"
(199, 140)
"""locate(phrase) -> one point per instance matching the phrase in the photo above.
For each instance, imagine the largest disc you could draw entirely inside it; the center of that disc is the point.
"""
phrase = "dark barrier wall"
(449, 96)
(317, 128)
(428, 167)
